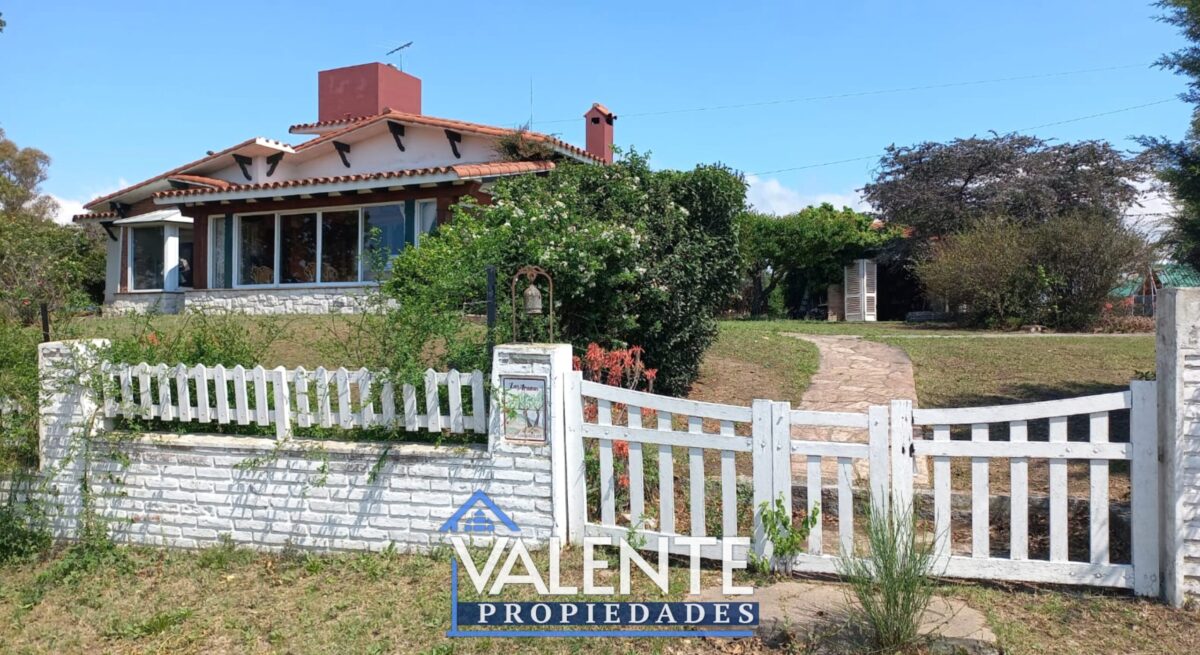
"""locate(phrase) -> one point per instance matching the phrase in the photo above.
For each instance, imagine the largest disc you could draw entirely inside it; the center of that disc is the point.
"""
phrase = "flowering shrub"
(638, 257)
(621, 367)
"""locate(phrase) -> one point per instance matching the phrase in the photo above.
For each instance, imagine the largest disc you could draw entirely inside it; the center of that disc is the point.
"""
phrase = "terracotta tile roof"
(444, 123)
(463, 171)
(200, 180)
(180, 169)
(301, 128)
(493, 169)
(93, 216)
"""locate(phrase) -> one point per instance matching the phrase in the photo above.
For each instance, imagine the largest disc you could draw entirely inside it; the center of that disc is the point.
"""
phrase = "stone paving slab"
(853, 375)
(819, 614)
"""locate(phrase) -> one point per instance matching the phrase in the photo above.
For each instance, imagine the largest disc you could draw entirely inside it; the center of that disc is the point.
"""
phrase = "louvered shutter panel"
(853, 288)
(870, 284)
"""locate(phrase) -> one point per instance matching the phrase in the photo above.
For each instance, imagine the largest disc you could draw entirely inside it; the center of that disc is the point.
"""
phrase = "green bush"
(890, 586)
(638, 257)
(1058, 273)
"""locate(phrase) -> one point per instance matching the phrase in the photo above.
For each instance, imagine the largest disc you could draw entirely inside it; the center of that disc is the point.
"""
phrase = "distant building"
(1142, 291)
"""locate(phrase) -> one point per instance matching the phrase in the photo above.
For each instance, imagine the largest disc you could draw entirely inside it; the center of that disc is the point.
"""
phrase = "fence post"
(879, 471)
(781, 449)
(1143, 480)
(761, 457)
(576, 470)
(1178, 391)
(901, 452)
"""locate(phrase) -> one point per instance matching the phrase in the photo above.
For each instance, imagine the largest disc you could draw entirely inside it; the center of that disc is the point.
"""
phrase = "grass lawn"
(952, 367)
(227, 600)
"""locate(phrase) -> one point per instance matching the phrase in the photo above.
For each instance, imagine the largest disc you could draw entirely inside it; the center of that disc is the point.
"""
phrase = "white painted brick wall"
(189, 490)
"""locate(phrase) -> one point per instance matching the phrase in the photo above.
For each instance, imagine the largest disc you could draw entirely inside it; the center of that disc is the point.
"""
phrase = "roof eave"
(312, 189)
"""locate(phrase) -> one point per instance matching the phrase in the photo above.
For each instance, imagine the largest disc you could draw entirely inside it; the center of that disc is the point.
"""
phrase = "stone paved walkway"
(853, 375)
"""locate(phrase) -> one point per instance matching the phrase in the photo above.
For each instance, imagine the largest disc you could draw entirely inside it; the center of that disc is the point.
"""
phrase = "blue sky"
(118, 92)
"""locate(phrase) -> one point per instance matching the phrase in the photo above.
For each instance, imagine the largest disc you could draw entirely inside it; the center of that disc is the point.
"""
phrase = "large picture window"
(383, 233)
(297, 248)
(326, 247)
(339, 246)
(256, 249)
(146, 258)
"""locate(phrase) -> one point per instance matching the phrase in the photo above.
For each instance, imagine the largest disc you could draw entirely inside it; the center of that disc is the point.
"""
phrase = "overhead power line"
(859, 94)
(1023, 129)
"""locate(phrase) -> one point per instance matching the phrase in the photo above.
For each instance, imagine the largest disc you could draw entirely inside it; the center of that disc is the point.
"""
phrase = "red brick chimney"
(365, 90)
(599, 128)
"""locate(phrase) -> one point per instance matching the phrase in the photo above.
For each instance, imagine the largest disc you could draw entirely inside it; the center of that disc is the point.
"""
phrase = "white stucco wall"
(371, 151)
(112, 267)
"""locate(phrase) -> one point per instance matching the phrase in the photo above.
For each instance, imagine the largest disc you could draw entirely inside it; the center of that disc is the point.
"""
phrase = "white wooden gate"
(987, 561)
(745, 456)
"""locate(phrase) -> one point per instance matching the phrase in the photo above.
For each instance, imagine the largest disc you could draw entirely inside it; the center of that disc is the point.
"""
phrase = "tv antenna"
(395, 50)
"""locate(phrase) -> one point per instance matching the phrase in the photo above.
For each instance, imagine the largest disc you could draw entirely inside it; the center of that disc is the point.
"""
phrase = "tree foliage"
(1178, 162)
(808, 248)
(943, 188)
(41, 261)
(638, 257)
(1011, 228)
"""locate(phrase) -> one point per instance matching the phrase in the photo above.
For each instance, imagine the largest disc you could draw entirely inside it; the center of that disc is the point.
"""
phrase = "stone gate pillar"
(528, 413)
(1178, 375)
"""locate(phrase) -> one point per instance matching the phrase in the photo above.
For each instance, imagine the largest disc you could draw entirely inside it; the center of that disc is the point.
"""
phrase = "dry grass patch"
(1053, 621)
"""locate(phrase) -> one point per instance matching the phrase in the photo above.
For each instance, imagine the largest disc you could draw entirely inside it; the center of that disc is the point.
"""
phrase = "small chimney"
(599, 128)
(365, 90)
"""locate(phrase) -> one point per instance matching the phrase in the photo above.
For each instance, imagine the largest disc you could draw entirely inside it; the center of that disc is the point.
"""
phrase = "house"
(1141, 291)
(267, 227)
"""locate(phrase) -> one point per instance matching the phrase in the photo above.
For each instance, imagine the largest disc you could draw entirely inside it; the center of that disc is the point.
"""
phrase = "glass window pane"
(217, 254)
(384, 235)
(297, 248)
(256, 249)
(186, 250)
(426, 218)
(339, 246)
(147, 258)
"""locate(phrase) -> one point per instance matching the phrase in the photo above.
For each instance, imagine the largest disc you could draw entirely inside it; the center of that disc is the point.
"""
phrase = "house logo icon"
(478, 516)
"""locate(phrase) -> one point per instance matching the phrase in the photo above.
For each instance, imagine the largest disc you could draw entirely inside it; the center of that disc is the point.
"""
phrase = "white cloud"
(771, 196)
(68, 207)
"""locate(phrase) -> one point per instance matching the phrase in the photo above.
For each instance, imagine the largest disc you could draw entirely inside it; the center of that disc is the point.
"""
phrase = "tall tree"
(938, 189)
(1179, 161)
(40, 261)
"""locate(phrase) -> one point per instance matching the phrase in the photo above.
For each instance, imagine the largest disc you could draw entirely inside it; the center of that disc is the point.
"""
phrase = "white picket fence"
(763, 434)
(292, 398)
